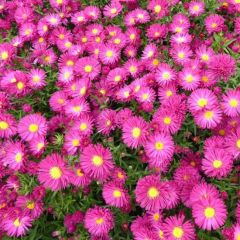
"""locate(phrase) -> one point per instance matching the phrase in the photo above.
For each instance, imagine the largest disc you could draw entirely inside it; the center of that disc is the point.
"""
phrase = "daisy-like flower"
(141, 16)
(204, 54)
(16, 223)
(88, 67)
(6, 53)
(202, 191)
(151, 193)
(207, 79)
(32, 126)
(165, 75)
(27, 31)
(114, 194)
(132, 66)
(217, 163)
(79, 18)
(98, 221)
(57, 101)
(189, 79)
(156, 31)
(72, 142)
(53, 172)
(180, 38)
(8, 126)
(176, 227)
(166, 93)
(145, 95)
(92, 13)
(116, 76)
(214, 23)
(202, 99)
(37, 78)
(209, 214)
(232, 143)
(135, 132)
(76, 107)
(37, 146)
(53, 20)
(112, 10)
(149, 51)
(231, 103)
(119, 175)
(106, 121)
(196, 8)
(181, 54)
(15, 155)
(30, 205)
(97, 162)
(65, 75)
(222, 66)
(79, 179)
(208, 118)
(159, 148)
(109, 54)
(158, 7)
(84, 125)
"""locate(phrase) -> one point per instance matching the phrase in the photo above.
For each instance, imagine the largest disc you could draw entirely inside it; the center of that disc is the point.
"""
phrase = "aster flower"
(15, 155)
(16, 223)
(202, 99)
(217, 163)
(180, 38)
(189, 79)
(98, 221)
(181, 54)
(92, 13)
(53, 172)
(116, 76)
(37, 145)
(209, 214)
(27, 31)
(84, 125)
(37, 78)
(208, 118)
(114, 194)
(6, 53)
(159, 148)
(96, 161)
(32, 126)
(156, 31)
(214, 23)
(135, 132)
(151, 193)
(57, 101)
(176, 227)
(109, 54)
(72, 142)
(222, 66)
(106, 121)
(201, 191)
(79, 179)
(204, 54)
(196, 8)
(231, 103)
(232, 143)
(8, 126)
(76, 107)
(165, 75)
(87, 67)
(112, 10)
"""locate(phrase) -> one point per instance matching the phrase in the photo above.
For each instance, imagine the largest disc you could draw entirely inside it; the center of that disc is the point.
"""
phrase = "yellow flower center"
(61, 36)
(3, 125)
(196, 8)
(84, 39)
(18, 157)
(77, 109)
(205, 57)
(109, 53)
(36, 78)
(40, 145)
(213, 25)
(233, 103)
(161, 234)
(145, 96)
(205, 79)
(59, 2)
(20, 85)
(70, 63)
(67, 75)
(153, 192)
(117, 41)
(31, 205)
(238, 143)
(155, 62)
(88, 68)
(117, 193)
(181, 55)
(98, 39)
(178, 232)
(209, 212)
(157, 9)
(221, 132)
(60, 101)
(120, 175)
(167, 120)
(178, 30)
(132, 36)
(79, 172)
(169, 93)
(83, 126)
(189, 78)
(33, 128)
(94, 31)
(4, 55)
(156, 216)
(166, 75)
(217, 163)
(113, 10)
(99, 221)
(208, 115)
(55, 172)
(75, 142)
(108, 122)
(27, 32)
(97, 160)
(159, 146)
(136, 132)
(17, 223)
(133, 69)
(202, 102)
(117, 78)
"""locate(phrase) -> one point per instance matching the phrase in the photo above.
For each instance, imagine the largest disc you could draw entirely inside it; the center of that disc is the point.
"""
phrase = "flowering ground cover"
(119, 120)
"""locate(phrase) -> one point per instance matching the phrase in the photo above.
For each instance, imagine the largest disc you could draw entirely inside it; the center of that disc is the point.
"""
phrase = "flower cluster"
(120, 121)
